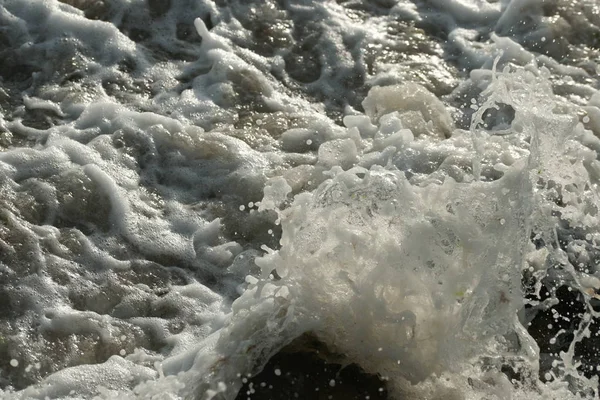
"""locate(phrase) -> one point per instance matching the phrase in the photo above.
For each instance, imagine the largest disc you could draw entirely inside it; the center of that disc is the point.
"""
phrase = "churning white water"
(186, 187)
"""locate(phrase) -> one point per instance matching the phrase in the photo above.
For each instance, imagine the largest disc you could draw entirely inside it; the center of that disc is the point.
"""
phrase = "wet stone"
(304, 374)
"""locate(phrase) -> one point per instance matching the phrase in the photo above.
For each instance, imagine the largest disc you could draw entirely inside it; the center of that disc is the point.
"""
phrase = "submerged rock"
(419, 109)
(306, 370)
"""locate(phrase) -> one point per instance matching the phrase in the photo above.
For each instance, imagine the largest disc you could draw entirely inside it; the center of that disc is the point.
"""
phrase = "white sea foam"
(177, 205)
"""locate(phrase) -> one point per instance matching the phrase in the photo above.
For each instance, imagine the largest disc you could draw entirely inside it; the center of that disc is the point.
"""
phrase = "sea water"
(189, 186)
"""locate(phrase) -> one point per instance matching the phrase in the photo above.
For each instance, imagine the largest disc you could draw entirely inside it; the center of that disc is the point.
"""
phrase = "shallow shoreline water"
(187, 187)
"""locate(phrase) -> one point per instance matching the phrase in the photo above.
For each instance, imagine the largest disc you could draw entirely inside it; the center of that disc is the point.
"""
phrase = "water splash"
(421, 282)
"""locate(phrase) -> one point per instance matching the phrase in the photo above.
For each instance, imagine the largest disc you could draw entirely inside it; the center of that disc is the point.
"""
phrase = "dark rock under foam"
(307, 370)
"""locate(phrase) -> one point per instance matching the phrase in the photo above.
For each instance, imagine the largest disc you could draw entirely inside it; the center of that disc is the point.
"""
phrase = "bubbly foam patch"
(418, 282)
(438, 222)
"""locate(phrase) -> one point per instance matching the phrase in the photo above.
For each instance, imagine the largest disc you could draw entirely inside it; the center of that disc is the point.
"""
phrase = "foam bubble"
(126, 158)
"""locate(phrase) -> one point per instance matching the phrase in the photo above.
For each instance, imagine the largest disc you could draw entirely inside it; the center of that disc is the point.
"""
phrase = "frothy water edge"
(421, 252)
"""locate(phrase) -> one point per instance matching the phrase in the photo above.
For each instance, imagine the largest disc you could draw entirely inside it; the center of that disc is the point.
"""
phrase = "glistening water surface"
(193, 190)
